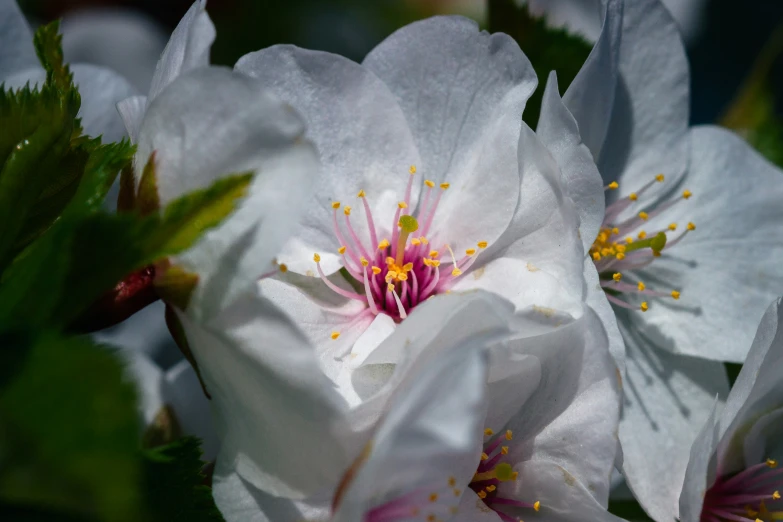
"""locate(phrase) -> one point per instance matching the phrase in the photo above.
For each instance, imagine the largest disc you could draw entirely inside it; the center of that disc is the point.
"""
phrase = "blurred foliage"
(548, 48)
(753, 112)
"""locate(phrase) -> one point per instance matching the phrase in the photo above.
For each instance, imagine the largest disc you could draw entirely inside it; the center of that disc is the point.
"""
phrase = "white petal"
(667, 400)
(275, 411)
(463, 93)
(132, 113)
(239, 501)
(581, 180)
(765, 438)
(16, 40)
(182, 391)
(361, 135)
(431, 433)
(212, 122)
(728, 269)
(572, 417)
(123, 40)
(100, 90)
(188, 48)
(697, 474)
(647, 134)
(544, 230)
(590, 97)
(148, 378)
(596, 300)
(758, 389)
(580, 17)
(563, 498)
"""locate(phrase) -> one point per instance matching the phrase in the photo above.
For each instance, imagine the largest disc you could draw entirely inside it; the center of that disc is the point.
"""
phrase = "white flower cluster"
(427, 310)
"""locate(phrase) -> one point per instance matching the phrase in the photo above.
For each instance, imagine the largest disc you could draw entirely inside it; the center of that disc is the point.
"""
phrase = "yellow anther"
(615, 231)
(283, 267)
(407, 267)
(620, 256)
(633, 196)
(389, 260)
(642, 234)
(490, 488)
(424, 240)
(484, 456)
(316, 258)
(488, 432)
(691, 226)
(537, 505)
(620, 248)
(629, 240)
(617, 276)
(391, 274)
(435, 263)
(470, 251)
(426, 261)
(412, 170)
(402, 204)
(514, 475)
(434, 254)
(643, 215)
(675, 294)
(482, 494)
(504, 450)
(686, 194)
(335, 335)
(335, 205)
(376, 270)
(363, 261)
(614, 185)
(456, 272)
(429, 183)
(776, 495)
(383, 244)
(482, 244)
(390, 287)
(659, 178)
(771, 463)
(342, 249)
(508, 435)
(640, 286)
(644, 307)
(673, 227)
(444, 186)
(347, 210)
(452, 482)
(402, 276)
(361, 194)
(596, 256)
(433, 497)
(415, 241)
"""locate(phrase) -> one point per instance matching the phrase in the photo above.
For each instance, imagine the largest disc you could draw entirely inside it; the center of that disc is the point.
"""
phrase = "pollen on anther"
(488, 432)
(402, 204)
(644, 307)
(435, 263)
(444, 186)
(772, 463)
(482, 494)
(675, 294)
(617, 276)
(433, 497)
(504, 450)
(633, 196)
(642, 234)
(659, 178)
(415, 241)
(620, 256)
(361, 194)
(347, 210)
(383, 244)
(537, 505)
(614, 185)
(317, 257)
(640, 286)
(456, 272)
(470, 251)
(364, 261)
(376, 270)
(509, 435)
(691, 226)
(629, 240)
(482, 244)
(673, 227)
(433, 254)
(686, 194)
(596, 256)
(335, 335)
(342, 249)
(283, 267)
(615, 231)
(491, 488)
(776, 495)
(643, 215)
(412, 170)
(484, 456)
(429, 183)
(335, 205)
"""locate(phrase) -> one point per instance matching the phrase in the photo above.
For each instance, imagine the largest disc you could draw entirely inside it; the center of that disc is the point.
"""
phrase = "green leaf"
(548, 48)
(48, 47)
(175, 490)
(68, 430)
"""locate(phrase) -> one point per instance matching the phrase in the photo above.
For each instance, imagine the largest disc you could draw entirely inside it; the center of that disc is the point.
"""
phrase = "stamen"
(409, 188)
(400, 308)
(612, 186)
(332, 286)
(370, 221)
(368, 291)
(431, 214)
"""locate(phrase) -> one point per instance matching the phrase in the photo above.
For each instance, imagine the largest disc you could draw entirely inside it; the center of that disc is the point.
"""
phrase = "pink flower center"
(393, 275)
(625, 246)
(440, 503)
(749, 496)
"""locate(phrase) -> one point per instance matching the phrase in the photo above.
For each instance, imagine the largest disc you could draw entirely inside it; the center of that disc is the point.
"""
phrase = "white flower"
(100, 88)
(733, 472)
(430, 183)
(187, 49)
(692, 293)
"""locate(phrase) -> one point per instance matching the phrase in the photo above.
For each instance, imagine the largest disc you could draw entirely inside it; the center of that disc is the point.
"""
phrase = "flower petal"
(596, 300)
(590, 97)
(696, 476)
(132, 113)
(188, 48)
(581, 180)
(765, 438)
(667, 400)
(463, 93)
(361, 135)
(431, 434)
(647, 133)
(212, 122)
(16, 40)
(275, 411)
(727, 270)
